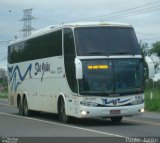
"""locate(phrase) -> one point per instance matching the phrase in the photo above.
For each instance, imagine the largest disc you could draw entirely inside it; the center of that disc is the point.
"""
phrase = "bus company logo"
(13, 72)
(113, 101)
(44, 67)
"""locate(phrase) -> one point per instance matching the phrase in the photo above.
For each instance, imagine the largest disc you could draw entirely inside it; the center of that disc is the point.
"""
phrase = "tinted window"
(106, 41)
(113, 76)
(40, 47)
(69, 56)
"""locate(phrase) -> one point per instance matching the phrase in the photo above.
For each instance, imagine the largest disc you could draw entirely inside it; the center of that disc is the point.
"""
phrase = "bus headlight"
(142, 110)
(84, 112)
(91, 104)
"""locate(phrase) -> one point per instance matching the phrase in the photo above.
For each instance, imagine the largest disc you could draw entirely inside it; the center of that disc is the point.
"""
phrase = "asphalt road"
(47, 125)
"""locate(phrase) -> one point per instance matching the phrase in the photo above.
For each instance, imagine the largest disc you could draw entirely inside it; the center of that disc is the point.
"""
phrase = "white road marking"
(61, 124)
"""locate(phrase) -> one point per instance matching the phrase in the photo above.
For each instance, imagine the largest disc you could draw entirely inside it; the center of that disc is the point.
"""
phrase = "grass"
(152, 100)
(3, 94)
(3, 88)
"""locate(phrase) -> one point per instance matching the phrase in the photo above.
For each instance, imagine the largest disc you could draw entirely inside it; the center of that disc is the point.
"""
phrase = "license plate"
(115, 112)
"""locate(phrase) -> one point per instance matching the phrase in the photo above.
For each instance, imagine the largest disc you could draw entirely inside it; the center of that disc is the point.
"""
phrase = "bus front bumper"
(89, 112)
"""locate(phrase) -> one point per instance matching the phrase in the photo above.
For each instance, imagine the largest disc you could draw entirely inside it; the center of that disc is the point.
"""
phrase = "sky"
(144, 15)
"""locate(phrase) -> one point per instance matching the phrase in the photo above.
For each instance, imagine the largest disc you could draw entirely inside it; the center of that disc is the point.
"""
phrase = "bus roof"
(68, 25)
(88, 24)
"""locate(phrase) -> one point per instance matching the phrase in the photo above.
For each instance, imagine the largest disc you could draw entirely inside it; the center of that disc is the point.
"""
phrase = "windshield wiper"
(94, 92)
(122, 53)
(95, 53)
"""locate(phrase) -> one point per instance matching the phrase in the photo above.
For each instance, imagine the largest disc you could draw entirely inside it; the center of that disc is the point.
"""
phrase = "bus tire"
(116, 119)
(20, 108)
(25, 107)
(62, 111)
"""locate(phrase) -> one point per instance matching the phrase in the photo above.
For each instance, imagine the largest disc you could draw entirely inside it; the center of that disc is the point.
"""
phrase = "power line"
(137, 12)
(133, 8)
(123, 13)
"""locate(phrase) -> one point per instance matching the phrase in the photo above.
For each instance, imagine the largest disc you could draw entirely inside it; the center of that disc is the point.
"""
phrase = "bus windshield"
(106, 41)
(111, 76)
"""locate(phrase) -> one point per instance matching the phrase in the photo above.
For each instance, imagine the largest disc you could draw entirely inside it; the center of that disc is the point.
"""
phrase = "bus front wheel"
(62, 111)
(116, 119)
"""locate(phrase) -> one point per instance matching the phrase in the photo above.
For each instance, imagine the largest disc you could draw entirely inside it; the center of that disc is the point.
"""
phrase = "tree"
(145, 52)
(144, 49)
(156, 49)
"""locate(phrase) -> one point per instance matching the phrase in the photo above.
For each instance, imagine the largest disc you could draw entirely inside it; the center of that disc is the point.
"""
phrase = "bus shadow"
(100, 122)
(81, 122)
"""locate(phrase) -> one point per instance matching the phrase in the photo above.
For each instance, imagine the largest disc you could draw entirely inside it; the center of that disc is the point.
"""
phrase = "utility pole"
(27, 19)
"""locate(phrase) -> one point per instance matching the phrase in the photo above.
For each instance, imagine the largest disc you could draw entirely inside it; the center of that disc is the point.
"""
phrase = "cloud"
(50, 12)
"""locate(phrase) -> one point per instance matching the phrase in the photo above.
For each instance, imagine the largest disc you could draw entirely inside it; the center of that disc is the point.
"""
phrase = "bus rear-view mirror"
(78, 66)
(151, 69)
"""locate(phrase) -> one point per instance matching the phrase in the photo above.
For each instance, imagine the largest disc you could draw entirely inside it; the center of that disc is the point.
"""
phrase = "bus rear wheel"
(20, 108)
(116, 119)
(62, 112)
(25, 107)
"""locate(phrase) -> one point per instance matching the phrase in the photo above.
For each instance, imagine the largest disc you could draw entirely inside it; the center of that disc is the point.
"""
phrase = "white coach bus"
(83, 70)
